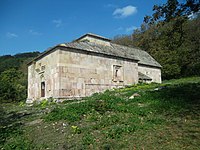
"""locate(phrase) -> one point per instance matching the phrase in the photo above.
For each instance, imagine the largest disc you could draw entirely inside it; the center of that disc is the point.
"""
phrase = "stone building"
(87, 65)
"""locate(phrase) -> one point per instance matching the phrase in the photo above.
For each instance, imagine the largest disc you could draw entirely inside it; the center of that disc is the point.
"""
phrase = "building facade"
(89, 64)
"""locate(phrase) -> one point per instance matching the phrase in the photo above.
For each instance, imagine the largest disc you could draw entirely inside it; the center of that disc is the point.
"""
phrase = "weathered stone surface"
(73, 73)
(134, 95)
(152, 72)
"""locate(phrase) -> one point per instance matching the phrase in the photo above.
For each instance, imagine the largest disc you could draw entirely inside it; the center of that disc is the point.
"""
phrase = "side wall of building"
(153, 72)
(84, 74)
(68, 73)
(44, 71)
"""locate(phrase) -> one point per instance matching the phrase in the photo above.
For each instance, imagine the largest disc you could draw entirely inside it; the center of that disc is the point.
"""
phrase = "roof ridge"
(144, 57)
(113, 49)
(127, 46)
(93, 35)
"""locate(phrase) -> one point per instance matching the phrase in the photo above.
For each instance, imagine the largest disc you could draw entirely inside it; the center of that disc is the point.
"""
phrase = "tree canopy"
(13, 76)
(171, 35)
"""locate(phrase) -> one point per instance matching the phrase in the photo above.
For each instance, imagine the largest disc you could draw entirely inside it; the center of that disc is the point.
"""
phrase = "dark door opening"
(42, 89)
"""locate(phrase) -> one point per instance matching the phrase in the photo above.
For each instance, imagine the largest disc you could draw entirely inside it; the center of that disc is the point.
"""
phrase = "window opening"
(42, 89)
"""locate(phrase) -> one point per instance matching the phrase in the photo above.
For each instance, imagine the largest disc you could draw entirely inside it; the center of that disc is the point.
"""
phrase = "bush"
(11, 86)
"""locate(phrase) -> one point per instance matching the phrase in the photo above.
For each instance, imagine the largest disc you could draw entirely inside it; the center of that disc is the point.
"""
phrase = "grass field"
(162, 116)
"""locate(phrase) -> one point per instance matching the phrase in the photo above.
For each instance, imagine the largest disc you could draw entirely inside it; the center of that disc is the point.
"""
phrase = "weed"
(76, 129)
(18, 143)
(88, 139)
(11, 137)
(44, 103)
(116, 131)
(21, 104)
(72, 112)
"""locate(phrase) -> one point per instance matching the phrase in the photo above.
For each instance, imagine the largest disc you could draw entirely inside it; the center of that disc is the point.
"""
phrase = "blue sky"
(35, 25)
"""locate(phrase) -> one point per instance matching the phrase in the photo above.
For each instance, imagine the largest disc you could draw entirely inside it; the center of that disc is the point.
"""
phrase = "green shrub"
(71, 112)
(116, 131)
(11, 86)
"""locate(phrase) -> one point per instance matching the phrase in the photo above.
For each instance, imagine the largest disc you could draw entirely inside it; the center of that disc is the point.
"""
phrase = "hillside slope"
(18, 61)
(160, 116)
(13, 76)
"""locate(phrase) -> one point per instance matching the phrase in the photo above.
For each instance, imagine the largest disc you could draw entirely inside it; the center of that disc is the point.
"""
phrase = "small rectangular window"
(42, 89)
(117, 73)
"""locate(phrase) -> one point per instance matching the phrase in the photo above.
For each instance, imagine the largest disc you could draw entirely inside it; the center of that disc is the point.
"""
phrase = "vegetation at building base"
(164, 116)
(171, 35)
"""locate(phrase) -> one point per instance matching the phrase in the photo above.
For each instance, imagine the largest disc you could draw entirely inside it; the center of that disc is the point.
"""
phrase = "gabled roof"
(116, 50)
(101, 49)
(94, 36)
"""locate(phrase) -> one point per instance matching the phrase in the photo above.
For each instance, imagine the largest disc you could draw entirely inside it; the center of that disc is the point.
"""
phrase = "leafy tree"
(13, 76)
(16, 61)
(26, 55)
(172, 10)
(190, 50)
(11, 86)
(171, 37)
(123, 40)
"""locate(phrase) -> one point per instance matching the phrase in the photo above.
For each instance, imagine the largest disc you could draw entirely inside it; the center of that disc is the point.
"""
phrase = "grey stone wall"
(70, 74)
(152, 72)
(84, 74)
(44, 70)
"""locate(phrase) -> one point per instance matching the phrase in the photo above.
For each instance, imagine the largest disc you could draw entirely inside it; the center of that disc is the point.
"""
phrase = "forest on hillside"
(171, 35)
(13, 76)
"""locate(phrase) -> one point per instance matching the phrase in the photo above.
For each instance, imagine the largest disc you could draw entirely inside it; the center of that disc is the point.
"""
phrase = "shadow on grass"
(10, 125)
(184, 97)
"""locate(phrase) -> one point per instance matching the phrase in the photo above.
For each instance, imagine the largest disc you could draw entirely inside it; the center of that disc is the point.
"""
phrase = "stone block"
(74, 85)
(79, 85)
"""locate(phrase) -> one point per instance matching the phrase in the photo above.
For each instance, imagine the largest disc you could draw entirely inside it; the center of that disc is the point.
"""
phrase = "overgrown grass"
(164, 116)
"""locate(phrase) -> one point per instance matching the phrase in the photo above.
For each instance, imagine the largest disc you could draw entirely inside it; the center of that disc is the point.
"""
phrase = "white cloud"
(58, 23)
(125, 11)
(34, 32)
(130, 29)
(11, 35)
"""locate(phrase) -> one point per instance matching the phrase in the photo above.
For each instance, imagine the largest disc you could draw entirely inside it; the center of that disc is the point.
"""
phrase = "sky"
(36, 25)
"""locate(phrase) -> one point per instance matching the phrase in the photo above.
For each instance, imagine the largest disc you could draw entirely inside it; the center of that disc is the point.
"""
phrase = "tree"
(11, 86)
(171, 37)
(172, 10)
(180, 36)
(123, 40)
(13, 76)
(190, 50)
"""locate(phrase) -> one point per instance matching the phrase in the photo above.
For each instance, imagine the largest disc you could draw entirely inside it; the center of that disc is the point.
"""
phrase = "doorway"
(42, 89)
